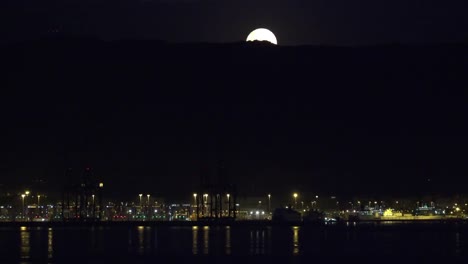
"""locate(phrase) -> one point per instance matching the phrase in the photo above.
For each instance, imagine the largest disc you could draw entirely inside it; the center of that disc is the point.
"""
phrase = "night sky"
(151, 119)
(336, 22)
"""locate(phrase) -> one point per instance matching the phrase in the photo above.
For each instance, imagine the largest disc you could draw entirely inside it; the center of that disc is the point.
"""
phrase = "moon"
(262, 34)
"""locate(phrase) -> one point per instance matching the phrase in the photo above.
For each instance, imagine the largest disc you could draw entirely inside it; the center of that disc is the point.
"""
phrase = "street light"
(22, 196)
(38, 204)
(148, 209)
(229, 204)
(295, 199)
(140, 199)
(205, 203)
(94, 206)
(27, 194)
(269, 203)
(195, 199)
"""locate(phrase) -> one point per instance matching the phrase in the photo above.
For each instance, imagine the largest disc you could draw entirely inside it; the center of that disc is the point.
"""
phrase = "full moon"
(262, 34)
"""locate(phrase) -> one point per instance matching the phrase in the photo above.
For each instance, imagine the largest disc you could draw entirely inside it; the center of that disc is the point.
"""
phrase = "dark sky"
(149, 118)
(338, 22)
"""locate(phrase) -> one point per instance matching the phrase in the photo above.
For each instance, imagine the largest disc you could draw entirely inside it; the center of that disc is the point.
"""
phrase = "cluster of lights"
(384, 210)
(257, 212)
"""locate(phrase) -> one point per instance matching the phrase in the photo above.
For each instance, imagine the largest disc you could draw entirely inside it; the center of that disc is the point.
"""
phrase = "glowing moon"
(262, 34)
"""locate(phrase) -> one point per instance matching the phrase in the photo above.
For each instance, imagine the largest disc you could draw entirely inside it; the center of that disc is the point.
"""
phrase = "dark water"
(147, 244)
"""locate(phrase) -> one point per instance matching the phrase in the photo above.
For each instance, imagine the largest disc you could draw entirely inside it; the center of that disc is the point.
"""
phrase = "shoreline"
(222, 223)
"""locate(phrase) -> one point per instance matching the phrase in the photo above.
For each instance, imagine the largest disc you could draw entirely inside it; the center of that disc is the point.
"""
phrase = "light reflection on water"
(228, 240)
(32, 241)
(25, 243)
(269, 240)
(205, 245)
(295, 240)
(206, 240)
(195, 240)
(257, 242)
(141, 240)
(457, 243)
(58, 242)
(50, 245)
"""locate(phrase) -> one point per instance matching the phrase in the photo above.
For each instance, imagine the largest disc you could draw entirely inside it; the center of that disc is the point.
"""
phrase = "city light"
(33, 206)
(22, 196)
(269, 203)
